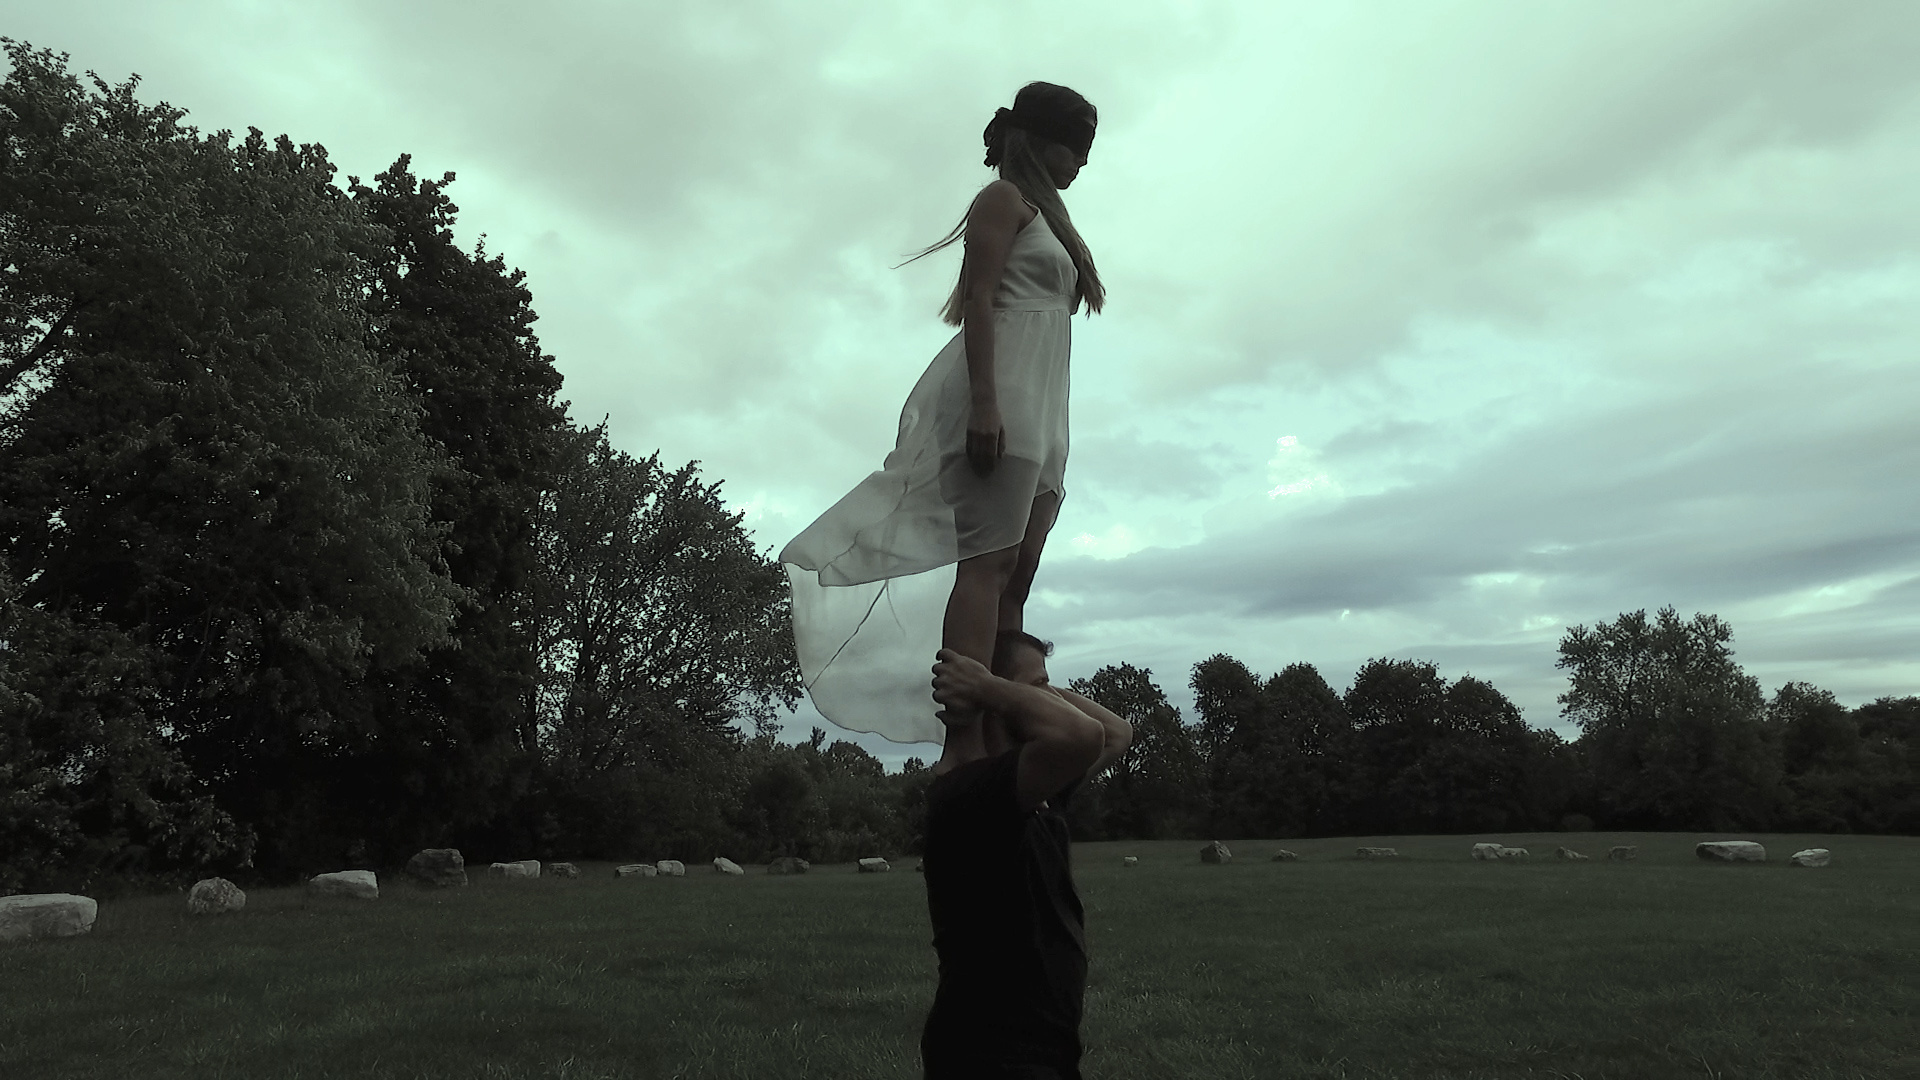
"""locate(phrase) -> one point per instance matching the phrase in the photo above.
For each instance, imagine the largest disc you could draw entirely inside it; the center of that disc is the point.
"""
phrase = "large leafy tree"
(199, 450)
(457, 729)
(1157, 789)
(1671, 726)
(1278, 749)
(659, 621)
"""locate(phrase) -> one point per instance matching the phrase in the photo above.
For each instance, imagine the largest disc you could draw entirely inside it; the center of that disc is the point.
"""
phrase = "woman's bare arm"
(997, 215)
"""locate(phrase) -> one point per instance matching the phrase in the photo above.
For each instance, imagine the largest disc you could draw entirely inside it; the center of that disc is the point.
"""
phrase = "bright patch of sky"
(1434, 327)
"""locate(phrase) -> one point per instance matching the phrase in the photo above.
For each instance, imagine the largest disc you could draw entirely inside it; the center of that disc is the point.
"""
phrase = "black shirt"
(1007, 925)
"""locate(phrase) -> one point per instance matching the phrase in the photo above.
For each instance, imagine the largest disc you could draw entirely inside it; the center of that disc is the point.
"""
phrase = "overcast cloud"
(1433, 328)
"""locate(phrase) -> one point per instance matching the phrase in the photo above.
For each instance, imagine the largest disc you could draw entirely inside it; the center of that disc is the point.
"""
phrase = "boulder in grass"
(440, 867)
(1216, 854)
(1812, 857)
(724, 865)
(352, 884)
(1377, 853)
(45, 915)
(1623, 853)
(789, 864)
(215, 896)
(1130, 860)
(1486, 852)
(639, 869)
(1283, 855)
(1512, 854)
(875, 866)
(1567, 854)
(1730, 851)
(563, 869)
(522, 870)
(671, 868)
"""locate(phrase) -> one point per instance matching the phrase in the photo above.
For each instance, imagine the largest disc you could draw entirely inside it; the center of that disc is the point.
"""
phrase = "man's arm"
(1058, 742)
(1115, 733)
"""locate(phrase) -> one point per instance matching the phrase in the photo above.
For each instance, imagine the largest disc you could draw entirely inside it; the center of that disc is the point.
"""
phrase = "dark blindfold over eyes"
(1073, 132)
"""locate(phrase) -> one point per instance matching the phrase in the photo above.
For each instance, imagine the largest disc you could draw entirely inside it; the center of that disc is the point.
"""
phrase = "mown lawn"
(1427, 966)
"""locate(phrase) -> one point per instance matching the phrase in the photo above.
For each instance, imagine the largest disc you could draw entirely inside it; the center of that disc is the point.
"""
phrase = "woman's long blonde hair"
(1016, 152)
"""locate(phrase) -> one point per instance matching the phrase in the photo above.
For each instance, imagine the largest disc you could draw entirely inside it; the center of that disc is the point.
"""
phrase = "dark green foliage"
(1158, 789)
(204, 456)
(1672, 729)
(89, 787)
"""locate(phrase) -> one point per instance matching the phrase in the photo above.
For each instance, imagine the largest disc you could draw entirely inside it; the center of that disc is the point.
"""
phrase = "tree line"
(304, 566)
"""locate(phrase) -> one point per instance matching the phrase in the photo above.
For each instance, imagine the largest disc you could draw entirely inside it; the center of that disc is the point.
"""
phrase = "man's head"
(1020, 657)
(1017, 657)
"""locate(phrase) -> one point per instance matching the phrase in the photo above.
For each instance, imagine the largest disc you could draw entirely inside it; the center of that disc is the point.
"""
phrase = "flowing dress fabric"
(871, 577)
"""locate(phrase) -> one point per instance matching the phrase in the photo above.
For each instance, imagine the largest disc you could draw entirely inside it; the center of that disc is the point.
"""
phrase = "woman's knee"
(997, 566)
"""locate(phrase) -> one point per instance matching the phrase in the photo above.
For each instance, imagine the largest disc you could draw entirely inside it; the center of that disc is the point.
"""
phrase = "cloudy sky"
(1433, 328)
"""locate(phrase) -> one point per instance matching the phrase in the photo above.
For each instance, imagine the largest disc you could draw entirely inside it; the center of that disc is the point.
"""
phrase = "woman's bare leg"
(969, 629)
(990, 595)
(1013, 599)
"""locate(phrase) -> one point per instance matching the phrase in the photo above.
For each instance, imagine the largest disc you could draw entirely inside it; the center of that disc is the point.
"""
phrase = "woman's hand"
(986, 439)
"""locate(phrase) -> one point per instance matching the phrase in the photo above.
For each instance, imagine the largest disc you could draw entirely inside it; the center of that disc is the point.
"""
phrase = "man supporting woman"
(962, 506)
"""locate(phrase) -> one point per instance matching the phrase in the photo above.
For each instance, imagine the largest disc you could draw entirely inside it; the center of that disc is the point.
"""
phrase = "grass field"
(1427, 966)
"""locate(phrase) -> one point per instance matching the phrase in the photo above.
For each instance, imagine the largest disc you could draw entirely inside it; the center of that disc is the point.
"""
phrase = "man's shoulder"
(982, 783)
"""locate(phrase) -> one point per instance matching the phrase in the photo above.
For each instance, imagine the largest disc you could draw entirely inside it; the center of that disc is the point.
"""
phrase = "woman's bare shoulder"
(1001, 203)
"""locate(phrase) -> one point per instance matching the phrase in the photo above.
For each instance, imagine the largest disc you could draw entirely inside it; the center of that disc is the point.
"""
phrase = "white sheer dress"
(871, 577)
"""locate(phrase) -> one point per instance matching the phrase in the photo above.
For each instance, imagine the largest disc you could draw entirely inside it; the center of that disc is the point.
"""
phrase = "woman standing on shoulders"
(976, 476)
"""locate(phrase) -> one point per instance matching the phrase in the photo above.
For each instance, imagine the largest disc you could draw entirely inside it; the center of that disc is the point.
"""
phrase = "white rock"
(1283, 855)
(1623, 853)
(724, 865)
(353, 884)
(1813, 856)
(671, 868)
(213, 896)
(1216, 854)
(875, 866)
(441, 867)
(523, 869)
(1731, 851)
(639, 869)
(45, 915)
(563, 869)
(1377, 853)
(1130, 860)
(1569, 855)
(1486, 852)
(1511, 853)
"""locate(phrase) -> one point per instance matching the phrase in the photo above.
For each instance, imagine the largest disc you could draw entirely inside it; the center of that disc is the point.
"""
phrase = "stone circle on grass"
(1730, 851)
(440, 867)
(1129, 860)
(1377, 853)
(789, 864)
(671, 868)
(875, 866)
(215, 896)
(639, 869)
(1812, 857)
(1283, 855)
(724, 865)
(352, 884)
(1623, 853)
(45, 915)
(521, 870)
(1486, 852)
(563, 869)
(1216, 854)
(1567, 854)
